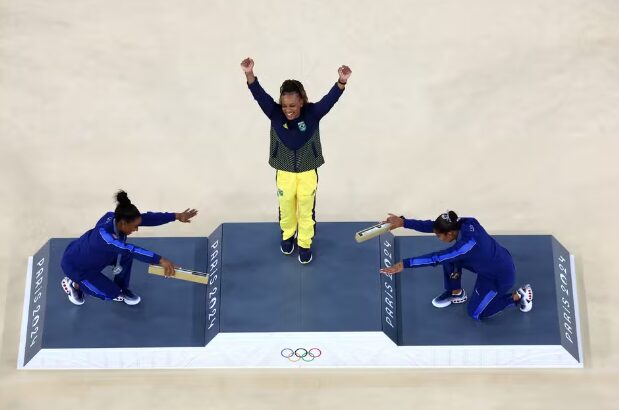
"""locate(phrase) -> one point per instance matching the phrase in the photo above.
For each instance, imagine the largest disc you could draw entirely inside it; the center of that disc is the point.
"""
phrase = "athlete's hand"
(395, 221)
(186, 215)
(344, 72)
(168, 267)
(247, 65)
(397, 268)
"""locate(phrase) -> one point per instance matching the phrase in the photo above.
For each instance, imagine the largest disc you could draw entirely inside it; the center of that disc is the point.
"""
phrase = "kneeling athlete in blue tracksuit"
(474, 250)
(105, 245)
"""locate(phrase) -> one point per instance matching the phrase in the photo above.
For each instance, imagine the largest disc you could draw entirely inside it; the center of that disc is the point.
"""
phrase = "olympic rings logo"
(301, 354)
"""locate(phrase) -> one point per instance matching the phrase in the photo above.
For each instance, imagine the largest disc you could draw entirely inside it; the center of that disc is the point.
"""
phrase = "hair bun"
(122, 198)
(453, 216)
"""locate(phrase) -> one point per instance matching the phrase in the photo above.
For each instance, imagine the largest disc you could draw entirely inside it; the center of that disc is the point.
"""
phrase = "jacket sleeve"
(127, 249)
(419, 226)
(157, 218)
(449, 255)
(265, 101)
(322, 107)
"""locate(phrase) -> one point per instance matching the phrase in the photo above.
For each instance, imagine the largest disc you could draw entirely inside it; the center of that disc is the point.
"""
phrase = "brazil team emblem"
(302, 126)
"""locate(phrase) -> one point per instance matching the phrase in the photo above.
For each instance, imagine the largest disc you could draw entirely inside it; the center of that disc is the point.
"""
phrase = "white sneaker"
(76, 296)
(446, 298)
(128, 297)
(526, 298)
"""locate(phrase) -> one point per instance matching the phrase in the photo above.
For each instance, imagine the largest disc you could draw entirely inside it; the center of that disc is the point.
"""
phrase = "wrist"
(341, 82)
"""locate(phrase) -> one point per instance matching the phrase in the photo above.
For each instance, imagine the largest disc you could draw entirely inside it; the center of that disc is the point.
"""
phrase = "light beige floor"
(505, 110)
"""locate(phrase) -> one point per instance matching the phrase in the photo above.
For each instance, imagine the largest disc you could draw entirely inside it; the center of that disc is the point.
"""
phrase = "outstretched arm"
(451, 254)
(160, 218)
(265, 101)
(448, 255)
(415, 224)
(127, 249)
(157, 218)
(426, 226)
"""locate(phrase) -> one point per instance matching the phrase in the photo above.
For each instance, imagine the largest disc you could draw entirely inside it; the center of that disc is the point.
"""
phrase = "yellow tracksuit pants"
(296, 192)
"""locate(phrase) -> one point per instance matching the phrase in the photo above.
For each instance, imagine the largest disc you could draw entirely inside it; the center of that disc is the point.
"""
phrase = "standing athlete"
(296, 153)
(105, 245)
(475, 251)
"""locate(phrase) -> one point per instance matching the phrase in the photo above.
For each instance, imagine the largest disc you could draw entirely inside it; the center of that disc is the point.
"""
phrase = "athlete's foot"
(448, 297)
(130, 298)
(305, 255)
(525, 301)
(75, 295)
(287, 245)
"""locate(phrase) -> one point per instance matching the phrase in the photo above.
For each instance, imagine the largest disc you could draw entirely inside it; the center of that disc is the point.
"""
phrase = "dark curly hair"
(293, 87)
(125, 210)
(447, 222)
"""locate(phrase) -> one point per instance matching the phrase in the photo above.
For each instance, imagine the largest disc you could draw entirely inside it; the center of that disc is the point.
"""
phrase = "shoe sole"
(305, 263)
(445, 304)
(132, 303)
(286, 253)
(527, 308)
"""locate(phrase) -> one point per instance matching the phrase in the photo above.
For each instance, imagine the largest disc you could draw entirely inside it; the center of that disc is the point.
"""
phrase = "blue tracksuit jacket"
(474, 250)
(101, 245)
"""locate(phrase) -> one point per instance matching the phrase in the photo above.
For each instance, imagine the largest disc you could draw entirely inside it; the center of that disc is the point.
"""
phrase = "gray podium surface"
(423, 324)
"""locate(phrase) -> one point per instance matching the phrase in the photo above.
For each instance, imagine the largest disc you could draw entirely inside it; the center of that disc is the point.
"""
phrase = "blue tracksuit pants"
(99, 285)
(489, 296)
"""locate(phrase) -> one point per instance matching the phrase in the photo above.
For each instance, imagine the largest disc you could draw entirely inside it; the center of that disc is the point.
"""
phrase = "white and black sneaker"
(526, 298)
(76, 296)
(129, 297)
(447, 298)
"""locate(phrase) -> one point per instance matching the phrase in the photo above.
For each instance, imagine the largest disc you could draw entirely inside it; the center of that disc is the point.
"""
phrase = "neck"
(117, 228)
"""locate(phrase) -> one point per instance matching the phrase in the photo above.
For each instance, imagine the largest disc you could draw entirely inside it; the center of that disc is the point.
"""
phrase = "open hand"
(397, 268)
(186, 215)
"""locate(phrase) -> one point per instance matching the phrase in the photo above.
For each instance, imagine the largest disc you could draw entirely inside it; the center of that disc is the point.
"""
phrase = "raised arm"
(322, 107)
(265, 101)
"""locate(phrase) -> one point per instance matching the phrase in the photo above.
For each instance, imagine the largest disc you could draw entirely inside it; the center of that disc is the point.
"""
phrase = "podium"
(264, 309)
